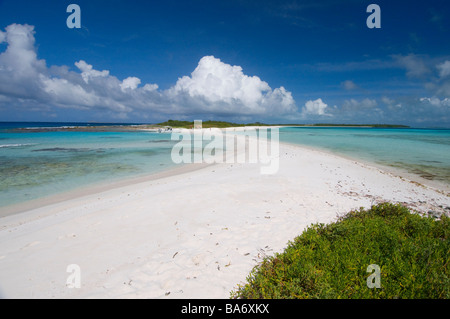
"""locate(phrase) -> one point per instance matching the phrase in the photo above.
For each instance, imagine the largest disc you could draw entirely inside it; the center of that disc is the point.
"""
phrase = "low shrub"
(331, 261)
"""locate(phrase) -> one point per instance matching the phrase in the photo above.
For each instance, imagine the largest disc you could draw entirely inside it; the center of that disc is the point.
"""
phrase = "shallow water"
(37, 164)
(423, 152)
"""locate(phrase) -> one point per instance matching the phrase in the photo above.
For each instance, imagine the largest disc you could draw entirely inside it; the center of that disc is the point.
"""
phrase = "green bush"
(207, 124)
(330, 261)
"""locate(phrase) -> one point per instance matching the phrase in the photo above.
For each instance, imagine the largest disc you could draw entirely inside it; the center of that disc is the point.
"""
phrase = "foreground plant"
(332, 261)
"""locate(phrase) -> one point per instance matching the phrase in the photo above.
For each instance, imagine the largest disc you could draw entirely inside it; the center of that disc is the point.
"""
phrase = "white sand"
(191, 235)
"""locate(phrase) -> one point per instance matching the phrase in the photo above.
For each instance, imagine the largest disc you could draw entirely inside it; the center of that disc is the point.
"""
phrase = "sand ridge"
(196, 234)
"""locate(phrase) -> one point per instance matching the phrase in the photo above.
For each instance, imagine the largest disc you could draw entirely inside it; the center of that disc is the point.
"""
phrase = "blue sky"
(270, 61)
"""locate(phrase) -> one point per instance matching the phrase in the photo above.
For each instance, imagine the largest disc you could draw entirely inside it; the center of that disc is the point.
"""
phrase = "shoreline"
(91, 189)
(82, 191)
(399, 172)
(195, 234)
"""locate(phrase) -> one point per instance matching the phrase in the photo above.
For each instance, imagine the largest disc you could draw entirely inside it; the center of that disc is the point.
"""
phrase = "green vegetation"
(207, 124)
(330, 261)
(364, 125)
(175, 123)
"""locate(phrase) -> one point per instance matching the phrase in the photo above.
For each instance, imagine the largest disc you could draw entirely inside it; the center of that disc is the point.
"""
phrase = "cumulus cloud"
(87, 71)
(217, 81)
(222, 87)
(434, 101)
(214, 87)
(444, 69)
(316, 107)
(150, 87)
(19, 66)
(131, 82)
(25, 77)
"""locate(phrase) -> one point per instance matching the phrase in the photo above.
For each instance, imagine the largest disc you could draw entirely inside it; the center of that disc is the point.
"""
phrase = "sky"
(242, 61)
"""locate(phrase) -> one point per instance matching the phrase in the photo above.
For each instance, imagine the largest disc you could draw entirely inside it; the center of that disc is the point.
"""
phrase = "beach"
(194, 232)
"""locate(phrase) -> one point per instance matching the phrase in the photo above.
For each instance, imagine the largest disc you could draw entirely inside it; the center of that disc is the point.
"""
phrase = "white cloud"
(444, 69)
(316, 107)
(219, 86)
(87, 72)
(150, 87)
(130, 83)
(434, 101)
(62, 93)
(19, 66)
(214, 87)
(281, 100)
(217, 81)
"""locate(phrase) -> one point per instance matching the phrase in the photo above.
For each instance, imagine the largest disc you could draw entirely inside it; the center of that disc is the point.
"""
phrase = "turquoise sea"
(419, 151)
(37, 163)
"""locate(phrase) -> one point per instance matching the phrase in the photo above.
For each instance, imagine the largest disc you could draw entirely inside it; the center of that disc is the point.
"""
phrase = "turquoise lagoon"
(418, 151)
(38, 163)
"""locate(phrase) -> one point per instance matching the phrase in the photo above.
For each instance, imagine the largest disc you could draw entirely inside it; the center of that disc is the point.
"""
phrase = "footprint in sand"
(34, 243)
(71, 235)
(197, 260)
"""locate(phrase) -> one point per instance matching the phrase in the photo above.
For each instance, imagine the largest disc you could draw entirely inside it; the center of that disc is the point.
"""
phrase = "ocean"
(37, 161)
(417, 151)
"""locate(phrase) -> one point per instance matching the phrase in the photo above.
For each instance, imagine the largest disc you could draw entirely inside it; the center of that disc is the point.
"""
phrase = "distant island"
(208, 124)
(358, 125)
(180, 124)
(223, 124)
